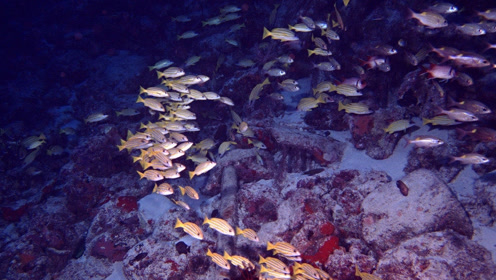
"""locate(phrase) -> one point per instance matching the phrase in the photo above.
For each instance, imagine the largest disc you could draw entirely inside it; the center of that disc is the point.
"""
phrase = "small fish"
(364, 275)
(232, 42)
(67, 131)
(30, 157)
(274, 274)
(192, 61)
(154, 91)
(205, 144)
(356, 82)
(300, 27)
(325, 66)
(330, 34)
(171, 72)
(282, 34)
(163, 189)
(323, 275)
(185, 146)
(219, 225)
(152, 175)
(245, 63)
(440, 72)
(471, 60)
(471, 158)
(273, 15)
(161, 64)
(152, 103)
(248, 233)
(429, 19)
(489, 14)
(308, 22)
(178, 137)
(399, 125)
(354, 108)
(224, 147)
(239, 261)
(308, 103)
(202, 168)
(384, 49)
(424, 141)
(236, 27)
(319, 42)
(464, 79)
(182, 204)
(471, 29)
(128, 112)
(189, 191)
(286, 59)
(283, 248)
(289, 87)
(483, 134)
(212, 21)
(187, 35)
(255, 92)
(274, 264)
(443, 8)
(306, 270)
(276, 72)
(347, 90)
(190, 228)
(226, 100)
(319, 51)
(473, 106)
(459, 115)
(276, 96)
(229, 9)
(96, 117)
(219, 260)
(55, 150)
(440, 120)
(257, 144)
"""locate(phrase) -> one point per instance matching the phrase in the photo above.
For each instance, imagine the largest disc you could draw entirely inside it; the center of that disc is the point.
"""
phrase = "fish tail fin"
(226, 255)
(239, 231)
(310, 52)
(205, 220)
(340, 106)
(141, 90)
(357, 271)
(270, 246)
(139, 99)
(151, 68)
(179, 224)
(142, 175)
(183, 190)
(155, 188)
(160, 74)
(191, 174)
(204, 23)
(452, 159)
(291, 27)
(135, 159)
(425, 121)
(266, 33)
(209, 253)
(262, 260)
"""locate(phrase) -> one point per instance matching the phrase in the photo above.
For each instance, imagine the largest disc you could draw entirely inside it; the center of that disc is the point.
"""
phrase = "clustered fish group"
(458, 112)
(162, 141)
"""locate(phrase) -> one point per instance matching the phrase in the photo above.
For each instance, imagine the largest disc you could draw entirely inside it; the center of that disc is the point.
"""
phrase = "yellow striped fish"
(190, 228)
(219, 225)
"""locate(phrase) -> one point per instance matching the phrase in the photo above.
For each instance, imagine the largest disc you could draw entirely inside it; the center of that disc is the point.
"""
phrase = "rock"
(390, 218)
(437, 255)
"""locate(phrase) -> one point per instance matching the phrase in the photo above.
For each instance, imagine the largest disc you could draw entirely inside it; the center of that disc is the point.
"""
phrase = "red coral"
(174, 266)
(324, 251)
(327, 229)
(128, 203)
(104, 248)
(362, 125)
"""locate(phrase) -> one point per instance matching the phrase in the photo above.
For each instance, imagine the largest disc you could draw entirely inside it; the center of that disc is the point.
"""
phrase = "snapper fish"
(161, 64)
(163, 189)
(189, 191)
(219, 260)
(219, 225)
(96, 117)
(471, 158)
(424, 141)
(429, 19)
(283, 248)
(354, 108)
(399, 125)
(239, 261)
(190, 228)
(248, 233)
(202, 168)
(274, 264)
(364, 275)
